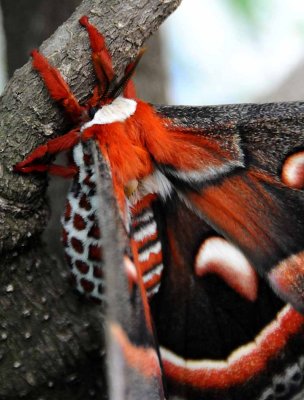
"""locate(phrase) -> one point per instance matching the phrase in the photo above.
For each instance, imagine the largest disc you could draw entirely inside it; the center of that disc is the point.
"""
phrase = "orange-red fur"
(58, 88)
(101, 58)
(132, 146)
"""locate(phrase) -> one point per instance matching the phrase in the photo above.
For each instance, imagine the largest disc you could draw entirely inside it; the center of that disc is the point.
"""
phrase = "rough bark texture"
(50, 342)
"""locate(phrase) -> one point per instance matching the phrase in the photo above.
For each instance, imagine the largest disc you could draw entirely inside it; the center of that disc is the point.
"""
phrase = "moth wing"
(223, 333)
(266, 221)
(133, 365)
(240, 194)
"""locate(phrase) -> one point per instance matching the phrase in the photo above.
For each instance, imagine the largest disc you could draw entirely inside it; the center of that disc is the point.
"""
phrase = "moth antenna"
(125, 84)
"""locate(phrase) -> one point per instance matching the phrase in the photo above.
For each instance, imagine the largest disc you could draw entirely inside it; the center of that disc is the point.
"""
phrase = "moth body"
(82, 238)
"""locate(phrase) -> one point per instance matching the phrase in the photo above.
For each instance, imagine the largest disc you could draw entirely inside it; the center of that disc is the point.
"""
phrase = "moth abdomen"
(146, 237)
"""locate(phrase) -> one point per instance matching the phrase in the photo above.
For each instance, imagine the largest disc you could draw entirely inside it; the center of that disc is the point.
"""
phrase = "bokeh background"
(209, 51)
(228, 51)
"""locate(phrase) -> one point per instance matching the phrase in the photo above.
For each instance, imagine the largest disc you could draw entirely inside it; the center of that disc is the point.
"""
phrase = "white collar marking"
(118, 111)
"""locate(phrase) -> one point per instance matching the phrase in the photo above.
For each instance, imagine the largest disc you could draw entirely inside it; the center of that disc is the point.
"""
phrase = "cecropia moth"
(202, 238)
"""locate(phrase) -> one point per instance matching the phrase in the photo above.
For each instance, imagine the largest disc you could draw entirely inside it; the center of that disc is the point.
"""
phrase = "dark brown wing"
(248, 204)
(223, 332)
(217, 342)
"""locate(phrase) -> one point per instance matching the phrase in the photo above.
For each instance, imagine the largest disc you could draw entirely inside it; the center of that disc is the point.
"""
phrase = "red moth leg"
(101, 57)
(54, 146)
(102, 62)
(53, 169)
(57, 87)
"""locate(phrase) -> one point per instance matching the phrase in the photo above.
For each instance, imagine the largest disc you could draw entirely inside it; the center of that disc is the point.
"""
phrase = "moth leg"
(57, 87)
(58, 170)
(102, 60)
(53, 146)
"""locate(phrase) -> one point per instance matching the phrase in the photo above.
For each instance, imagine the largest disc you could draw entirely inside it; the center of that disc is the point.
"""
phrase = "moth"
(188, 222)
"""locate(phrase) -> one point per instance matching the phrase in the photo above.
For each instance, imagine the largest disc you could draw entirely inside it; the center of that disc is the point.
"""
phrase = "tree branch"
(49, 339)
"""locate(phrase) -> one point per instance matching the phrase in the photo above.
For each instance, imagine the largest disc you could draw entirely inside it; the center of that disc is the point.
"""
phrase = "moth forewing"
(133, 365)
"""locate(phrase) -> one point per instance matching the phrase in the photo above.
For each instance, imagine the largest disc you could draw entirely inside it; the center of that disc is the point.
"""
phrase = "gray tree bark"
(51, 343)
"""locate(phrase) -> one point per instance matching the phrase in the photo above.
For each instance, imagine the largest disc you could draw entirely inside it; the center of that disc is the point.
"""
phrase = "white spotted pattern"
(81, 234)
